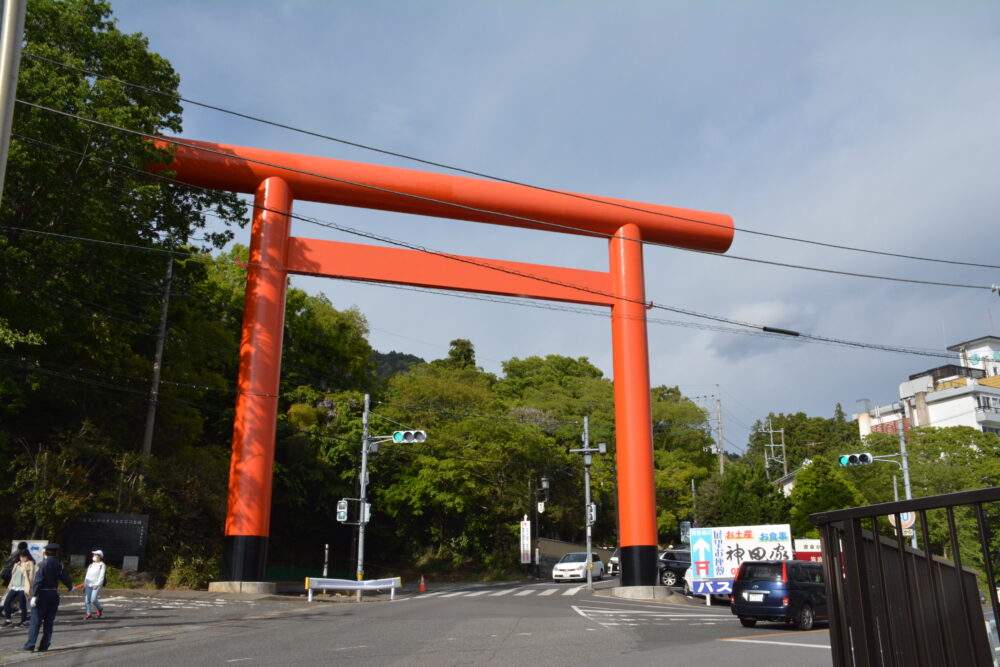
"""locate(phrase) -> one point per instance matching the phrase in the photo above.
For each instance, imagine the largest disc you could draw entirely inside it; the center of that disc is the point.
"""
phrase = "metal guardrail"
(891, 604)
(317, 584)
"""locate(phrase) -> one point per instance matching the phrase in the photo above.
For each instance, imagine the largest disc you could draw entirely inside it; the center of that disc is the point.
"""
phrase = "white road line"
(503, 592)
(430, 595)
(548, 591)
(451, 595)
(573, 591)
(527, 592)
(762, 641)
(475, 593)
(649, 613)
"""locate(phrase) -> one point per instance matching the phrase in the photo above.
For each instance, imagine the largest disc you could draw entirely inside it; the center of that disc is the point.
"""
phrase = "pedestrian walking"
(93, 582)
(12, 561)
(45, 602)
(21, 580)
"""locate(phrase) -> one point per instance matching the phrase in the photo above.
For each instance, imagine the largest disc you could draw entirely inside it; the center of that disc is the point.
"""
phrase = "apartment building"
(966, 393)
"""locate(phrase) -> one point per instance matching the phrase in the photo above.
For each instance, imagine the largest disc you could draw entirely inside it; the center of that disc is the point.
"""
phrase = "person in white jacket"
(92, 584)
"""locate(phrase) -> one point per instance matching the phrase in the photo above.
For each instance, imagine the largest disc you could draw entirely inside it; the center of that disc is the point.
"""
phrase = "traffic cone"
(422, 586)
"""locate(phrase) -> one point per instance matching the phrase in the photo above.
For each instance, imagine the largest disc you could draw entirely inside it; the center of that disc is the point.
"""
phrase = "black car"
(673, 564)
(788, 591)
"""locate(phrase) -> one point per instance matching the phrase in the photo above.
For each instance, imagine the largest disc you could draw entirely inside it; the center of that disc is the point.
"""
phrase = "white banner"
(525, 542)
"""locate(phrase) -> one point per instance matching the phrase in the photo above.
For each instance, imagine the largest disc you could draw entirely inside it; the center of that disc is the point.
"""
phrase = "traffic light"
(342, 510)
(856, 459)
(409, 436)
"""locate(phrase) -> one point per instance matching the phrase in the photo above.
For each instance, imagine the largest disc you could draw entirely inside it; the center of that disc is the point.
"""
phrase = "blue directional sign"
(708, 587)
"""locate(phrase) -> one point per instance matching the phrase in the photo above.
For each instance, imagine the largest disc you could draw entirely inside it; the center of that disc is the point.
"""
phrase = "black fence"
(893, 604)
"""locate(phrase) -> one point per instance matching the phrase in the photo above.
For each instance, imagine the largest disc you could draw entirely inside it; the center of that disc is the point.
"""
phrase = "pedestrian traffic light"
(342, 510)
(856, 459)
(409, 436)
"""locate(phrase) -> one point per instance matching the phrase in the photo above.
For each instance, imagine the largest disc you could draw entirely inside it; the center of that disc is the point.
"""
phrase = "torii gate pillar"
(633, 412)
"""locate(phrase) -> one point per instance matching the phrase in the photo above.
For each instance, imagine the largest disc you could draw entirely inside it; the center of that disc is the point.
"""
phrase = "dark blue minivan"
(787, 591)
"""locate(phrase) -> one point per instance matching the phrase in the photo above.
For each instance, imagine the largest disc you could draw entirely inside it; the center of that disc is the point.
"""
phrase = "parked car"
(674, 564)
(614, 567)
(788, 591)
(574, 566)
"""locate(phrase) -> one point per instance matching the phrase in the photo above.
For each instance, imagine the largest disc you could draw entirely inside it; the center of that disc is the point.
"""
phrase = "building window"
(991, 429)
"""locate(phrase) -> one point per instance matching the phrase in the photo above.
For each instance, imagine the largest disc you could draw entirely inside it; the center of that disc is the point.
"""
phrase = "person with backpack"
(11, 562)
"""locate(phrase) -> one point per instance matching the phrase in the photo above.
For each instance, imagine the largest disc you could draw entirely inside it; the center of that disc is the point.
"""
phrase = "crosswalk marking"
(519, 591)
(503, 592)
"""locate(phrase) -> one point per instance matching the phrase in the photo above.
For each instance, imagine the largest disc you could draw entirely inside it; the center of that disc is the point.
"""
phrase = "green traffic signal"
(845, 460)
(409, 436)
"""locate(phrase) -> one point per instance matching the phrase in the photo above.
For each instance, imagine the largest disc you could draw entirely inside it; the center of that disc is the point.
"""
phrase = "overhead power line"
(474, 209)
(404, 156)
(692, 313)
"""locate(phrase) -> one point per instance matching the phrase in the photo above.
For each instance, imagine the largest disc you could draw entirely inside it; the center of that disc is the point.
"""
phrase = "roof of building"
(975, 341)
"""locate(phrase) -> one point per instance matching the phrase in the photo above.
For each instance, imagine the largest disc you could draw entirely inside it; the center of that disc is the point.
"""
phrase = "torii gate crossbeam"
(277, 179)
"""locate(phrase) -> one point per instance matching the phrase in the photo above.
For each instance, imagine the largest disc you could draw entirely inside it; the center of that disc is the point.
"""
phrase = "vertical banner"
(525, 542)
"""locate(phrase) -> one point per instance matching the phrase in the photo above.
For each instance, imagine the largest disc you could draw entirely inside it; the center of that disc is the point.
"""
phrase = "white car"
(613, 564)
(573, 566)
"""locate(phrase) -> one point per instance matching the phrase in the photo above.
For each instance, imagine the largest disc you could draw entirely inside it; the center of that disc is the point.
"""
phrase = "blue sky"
(871, 125)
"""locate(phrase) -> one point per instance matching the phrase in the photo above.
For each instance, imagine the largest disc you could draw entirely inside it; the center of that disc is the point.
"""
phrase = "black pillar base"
(639, 566)
(244, 558)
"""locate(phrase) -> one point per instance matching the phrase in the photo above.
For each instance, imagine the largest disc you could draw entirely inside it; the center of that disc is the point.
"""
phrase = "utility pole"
(370, 445)
(10, 62)
(363, 519)
(718, 415)
(770, 454)
(905, 465)
(154, 391)
(591, 511)
(539, 504)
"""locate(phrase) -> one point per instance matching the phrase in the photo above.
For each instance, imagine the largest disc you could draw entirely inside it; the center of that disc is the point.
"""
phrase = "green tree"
(741, 496)
(820, 487)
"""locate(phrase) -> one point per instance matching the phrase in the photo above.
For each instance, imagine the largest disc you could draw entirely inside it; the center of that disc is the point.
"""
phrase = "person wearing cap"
(45, 602)
(93, 581)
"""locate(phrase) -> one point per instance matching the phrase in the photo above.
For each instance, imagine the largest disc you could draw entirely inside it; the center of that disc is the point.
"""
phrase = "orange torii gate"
(277, 179)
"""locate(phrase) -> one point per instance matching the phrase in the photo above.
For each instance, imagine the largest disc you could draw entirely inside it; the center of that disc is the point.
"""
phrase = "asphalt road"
(511, 624)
